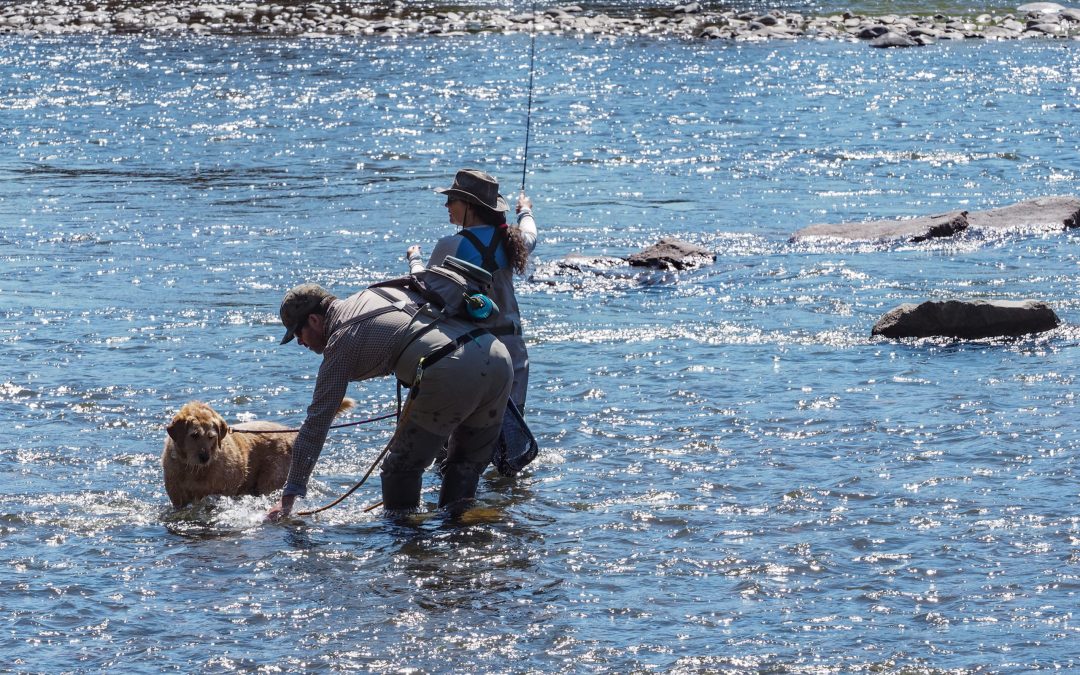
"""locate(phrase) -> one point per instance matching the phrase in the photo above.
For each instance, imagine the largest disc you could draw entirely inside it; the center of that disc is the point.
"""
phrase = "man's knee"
(414, 449)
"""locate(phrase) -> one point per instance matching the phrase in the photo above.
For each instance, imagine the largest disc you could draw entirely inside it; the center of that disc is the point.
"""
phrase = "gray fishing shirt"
(357, 351)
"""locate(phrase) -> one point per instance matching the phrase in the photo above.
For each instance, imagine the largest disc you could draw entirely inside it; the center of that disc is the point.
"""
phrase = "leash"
(378, 460)
(528, 115)
(293, 431)
(425, 362)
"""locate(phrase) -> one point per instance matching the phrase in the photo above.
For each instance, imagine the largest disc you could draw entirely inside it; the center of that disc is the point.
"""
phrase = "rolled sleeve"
(330, 388)
(416, 263)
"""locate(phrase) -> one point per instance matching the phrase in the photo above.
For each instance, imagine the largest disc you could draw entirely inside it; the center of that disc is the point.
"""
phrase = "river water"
(735, 477)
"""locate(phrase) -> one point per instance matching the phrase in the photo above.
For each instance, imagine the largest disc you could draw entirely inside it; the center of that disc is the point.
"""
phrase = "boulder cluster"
(691, 20)
(953, 318)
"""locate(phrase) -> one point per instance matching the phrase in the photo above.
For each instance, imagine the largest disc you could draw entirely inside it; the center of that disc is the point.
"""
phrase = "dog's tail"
(346, 404)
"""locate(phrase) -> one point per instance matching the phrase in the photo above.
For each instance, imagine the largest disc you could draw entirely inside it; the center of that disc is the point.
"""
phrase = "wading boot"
(401, 491)
(458, 487)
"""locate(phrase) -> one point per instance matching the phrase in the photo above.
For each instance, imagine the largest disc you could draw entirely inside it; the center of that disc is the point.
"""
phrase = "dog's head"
(197, 432)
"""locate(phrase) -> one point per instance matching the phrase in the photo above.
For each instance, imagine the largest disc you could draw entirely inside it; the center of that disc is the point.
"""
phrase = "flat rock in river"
(1052, 213)
(1044, 212)
(915, 229)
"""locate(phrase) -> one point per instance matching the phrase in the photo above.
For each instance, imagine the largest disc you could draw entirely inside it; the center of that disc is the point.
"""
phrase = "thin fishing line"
(528, 115)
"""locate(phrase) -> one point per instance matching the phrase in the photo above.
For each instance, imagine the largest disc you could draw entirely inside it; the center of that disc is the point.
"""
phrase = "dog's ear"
(222, 430)
(177, 429)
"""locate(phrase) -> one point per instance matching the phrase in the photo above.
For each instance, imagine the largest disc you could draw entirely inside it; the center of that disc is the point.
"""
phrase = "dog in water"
(204, 457)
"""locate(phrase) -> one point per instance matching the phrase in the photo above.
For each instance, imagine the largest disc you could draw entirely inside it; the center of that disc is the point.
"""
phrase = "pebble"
(687, 21)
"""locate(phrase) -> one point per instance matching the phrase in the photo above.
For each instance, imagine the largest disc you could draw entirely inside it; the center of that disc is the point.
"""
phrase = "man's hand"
(413, 250)
(523, 202)
(282, 510)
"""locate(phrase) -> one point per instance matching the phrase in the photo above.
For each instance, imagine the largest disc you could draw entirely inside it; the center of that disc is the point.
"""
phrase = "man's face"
(313, 334)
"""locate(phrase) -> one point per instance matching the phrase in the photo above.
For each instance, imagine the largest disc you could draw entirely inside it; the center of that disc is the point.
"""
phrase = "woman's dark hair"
(515, 248)
(516, 251)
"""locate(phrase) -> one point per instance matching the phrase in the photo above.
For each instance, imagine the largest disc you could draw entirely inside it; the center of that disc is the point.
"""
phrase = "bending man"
(457, 399)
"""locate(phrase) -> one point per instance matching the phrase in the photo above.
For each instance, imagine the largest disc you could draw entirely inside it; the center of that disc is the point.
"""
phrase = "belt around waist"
(449, 347)
(505, 330)
(434, 357)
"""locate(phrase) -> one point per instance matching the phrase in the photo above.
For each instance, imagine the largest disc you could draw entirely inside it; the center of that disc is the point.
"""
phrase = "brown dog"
(204, 457)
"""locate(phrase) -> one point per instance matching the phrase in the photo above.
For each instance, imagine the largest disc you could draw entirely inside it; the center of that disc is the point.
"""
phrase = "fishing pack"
(455, 288)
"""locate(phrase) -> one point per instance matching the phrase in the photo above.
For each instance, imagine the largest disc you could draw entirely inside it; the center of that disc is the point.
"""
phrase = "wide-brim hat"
(476, 187)
(298, 303)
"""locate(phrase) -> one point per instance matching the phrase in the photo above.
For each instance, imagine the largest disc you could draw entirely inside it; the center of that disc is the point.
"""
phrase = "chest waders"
(488, 262)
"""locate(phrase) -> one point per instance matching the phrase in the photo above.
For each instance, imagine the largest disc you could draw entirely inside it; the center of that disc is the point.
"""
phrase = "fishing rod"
(528, 115)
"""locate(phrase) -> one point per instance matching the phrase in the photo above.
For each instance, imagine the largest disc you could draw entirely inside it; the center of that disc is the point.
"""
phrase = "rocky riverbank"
(690, 21)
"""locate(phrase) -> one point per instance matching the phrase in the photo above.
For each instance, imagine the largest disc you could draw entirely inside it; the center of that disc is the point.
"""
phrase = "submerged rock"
(648, 266)
(581, 263)
(1049, 213)
(967, 319)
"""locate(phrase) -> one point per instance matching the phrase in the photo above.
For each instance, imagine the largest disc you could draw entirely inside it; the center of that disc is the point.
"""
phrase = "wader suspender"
(401, 305)
(427, 360)
(396, 304)
(487, 253)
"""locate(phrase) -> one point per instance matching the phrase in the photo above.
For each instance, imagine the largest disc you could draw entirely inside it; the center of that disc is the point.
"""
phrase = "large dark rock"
(967, 319)
(1051, 213)
(672, 254)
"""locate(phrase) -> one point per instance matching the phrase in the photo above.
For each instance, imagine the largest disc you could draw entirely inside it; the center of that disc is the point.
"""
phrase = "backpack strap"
(400, 304)
(409, 307)
(487, 253)
(396, 304)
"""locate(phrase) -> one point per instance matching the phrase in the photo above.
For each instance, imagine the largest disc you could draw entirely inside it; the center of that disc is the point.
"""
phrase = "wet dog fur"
(202, 457)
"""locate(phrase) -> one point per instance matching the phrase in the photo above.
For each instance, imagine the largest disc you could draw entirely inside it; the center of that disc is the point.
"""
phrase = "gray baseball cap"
(298, 303)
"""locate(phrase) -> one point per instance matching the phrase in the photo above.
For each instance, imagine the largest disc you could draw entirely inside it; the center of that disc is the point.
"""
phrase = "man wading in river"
(460, 379)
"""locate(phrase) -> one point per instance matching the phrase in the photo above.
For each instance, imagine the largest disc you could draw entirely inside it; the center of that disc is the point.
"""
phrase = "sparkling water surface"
(735, 477)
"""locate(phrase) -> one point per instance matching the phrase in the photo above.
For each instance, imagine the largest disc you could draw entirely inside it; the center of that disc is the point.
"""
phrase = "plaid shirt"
(357, 351)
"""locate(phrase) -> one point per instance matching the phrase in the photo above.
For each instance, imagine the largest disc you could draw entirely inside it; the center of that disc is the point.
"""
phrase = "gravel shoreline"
(690, 21)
